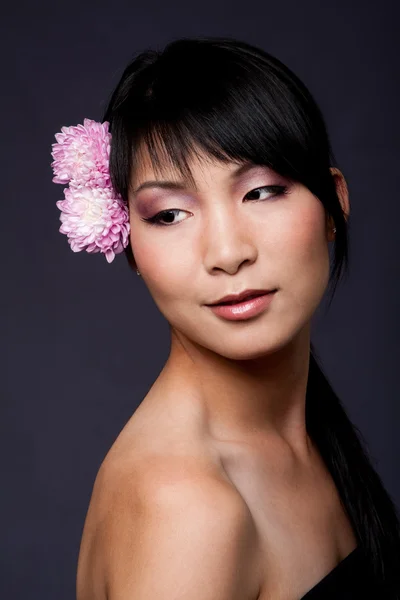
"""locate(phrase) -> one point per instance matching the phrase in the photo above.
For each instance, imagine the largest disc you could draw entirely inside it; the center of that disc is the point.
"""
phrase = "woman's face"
(229, 234)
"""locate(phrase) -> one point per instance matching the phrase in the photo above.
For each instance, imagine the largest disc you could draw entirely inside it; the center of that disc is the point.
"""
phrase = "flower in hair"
(82, 154)
(93, 216)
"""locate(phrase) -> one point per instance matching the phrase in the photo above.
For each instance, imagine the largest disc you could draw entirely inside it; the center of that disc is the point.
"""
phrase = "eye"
(278, 189)
(168, 215)
(164, 214)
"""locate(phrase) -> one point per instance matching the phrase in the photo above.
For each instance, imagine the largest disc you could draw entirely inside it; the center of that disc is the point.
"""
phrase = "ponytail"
(371, 510)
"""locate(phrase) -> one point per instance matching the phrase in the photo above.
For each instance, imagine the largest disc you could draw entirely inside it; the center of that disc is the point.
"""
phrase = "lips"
(245, 308)
(242, 299)
(243, 296)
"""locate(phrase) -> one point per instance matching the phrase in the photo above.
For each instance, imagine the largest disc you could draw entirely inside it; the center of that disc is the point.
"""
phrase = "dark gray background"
(82, 339)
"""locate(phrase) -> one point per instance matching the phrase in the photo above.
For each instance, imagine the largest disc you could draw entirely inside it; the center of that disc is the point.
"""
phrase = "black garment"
(349, 580)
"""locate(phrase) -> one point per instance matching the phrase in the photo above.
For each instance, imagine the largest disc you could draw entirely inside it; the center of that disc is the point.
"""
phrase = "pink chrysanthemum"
(81, 154)
(95, 219)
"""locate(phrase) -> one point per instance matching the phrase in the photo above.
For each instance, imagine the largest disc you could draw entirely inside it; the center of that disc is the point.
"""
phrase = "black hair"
(236, 102)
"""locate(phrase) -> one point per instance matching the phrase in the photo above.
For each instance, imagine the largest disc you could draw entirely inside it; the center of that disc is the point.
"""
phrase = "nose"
(228, 241)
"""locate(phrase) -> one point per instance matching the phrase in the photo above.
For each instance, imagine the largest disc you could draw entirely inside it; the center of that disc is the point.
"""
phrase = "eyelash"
(282, 190)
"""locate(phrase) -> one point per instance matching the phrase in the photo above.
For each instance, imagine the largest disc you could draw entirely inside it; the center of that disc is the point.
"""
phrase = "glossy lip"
(245, 309)
(241, 296)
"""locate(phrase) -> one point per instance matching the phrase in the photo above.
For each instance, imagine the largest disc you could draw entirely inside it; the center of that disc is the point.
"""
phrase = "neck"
(246, 400)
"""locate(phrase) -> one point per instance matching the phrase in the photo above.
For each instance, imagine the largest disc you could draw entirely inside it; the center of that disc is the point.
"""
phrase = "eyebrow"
(181, 185)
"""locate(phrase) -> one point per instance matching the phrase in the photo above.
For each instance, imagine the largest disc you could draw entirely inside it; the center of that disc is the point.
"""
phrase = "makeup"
(245, 309)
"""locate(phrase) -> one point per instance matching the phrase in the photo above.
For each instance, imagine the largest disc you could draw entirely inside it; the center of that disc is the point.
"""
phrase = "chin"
(252, 344)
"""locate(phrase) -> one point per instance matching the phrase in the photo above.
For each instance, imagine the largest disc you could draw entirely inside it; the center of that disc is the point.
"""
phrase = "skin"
(249, 376)
(225, 418)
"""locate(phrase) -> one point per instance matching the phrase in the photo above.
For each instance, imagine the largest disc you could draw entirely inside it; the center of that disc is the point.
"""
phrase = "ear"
(343, 195)
(130, 258)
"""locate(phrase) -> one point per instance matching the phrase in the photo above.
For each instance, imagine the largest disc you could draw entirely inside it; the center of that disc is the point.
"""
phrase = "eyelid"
(282, 189)
(275, 189)
(154, 220)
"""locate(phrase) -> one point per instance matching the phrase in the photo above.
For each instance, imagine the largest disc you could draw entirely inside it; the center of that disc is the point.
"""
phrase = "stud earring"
(137, 271)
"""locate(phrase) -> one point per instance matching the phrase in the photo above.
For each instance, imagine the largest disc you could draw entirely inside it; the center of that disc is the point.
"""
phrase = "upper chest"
(303, 530)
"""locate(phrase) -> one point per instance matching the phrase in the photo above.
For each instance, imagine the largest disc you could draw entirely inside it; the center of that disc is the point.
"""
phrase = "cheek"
(147, 255)
(304, 254)
(167, 268)
(305, 235)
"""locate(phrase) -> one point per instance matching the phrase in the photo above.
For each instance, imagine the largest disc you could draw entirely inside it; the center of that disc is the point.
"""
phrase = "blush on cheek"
(311, 224)
(146, 254)
(303, 247)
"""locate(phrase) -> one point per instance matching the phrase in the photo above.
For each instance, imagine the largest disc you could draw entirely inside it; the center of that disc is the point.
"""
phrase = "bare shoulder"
(163, 526)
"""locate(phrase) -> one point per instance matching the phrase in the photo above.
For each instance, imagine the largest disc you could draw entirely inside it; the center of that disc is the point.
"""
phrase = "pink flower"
(82, 154)
(95, 219)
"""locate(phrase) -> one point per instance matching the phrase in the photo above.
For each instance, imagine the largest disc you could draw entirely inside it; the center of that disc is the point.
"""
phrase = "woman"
(240, 476)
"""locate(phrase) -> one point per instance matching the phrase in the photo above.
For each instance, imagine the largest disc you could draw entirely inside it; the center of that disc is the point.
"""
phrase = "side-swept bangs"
(226, 100)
